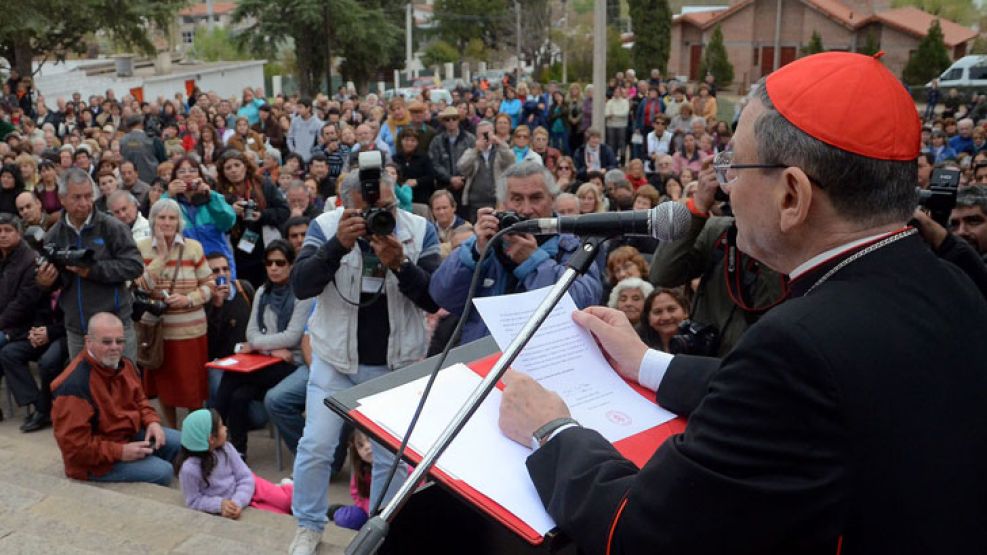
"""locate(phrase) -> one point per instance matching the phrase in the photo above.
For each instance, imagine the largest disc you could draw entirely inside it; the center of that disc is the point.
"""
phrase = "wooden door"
(787, 55)
(767, 60)
(695, 59)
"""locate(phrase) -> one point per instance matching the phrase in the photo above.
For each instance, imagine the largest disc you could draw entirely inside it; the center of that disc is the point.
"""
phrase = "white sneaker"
(306, 542)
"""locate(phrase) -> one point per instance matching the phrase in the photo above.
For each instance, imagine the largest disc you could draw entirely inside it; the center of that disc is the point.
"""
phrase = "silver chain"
(860, 254)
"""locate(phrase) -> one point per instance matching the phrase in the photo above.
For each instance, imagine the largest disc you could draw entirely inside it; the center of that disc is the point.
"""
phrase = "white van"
(968, 71)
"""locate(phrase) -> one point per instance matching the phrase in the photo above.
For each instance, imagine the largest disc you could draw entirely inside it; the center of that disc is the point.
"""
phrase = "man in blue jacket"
(522, 262)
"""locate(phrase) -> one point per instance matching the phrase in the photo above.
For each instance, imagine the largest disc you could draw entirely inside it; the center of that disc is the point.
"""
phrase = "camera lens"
(380, 222)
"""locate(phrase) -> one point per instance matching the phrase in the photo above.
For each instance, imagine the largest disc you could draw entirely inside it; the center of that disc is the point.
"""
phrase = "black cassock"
(853, 418)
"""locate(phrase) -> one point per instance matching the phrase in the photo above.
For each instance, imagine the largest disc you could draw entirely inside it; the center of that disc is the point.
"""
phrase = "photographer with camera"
(522, 262)
(93, 255)
(730, 298)
(208, 217)
(481, 168)
(260, 210)
(369, 264)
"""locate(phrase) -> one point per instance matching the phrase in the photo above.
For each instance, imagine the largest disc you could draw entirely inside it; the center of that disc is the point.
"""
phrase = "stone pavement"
(42, 511)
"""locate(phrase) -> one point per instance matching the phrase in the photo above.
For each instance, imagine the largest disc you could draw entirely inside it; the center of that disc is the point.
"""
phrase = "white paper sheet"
(565, 358)
(480, 455)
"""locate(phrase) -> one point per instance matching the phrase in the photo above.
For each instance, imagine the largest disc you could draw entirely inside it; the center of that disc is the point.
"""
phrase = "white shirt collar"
(89, 220)
(832, 253)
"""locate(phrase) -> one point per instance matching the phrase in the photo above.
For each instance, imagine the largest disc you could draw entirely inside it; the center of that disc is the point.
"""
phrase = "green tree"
(438, 53)
(364, 33)
(651, 21)
(964, 12)
(54, 28)
(618, 57)
(979, 45)
(458, 21)
(815, 45)
(929, 60)
(871, 44)
(215, 45)
(716, 61)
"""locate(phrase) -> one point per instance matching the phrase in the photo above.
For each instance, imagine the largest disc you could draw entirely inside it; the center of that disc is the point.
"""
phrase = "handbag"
(150, 331)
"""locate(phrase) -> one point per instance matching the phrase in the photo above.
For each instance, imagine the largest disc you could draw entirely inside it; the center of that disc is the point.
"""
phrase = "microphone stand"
(374, 532)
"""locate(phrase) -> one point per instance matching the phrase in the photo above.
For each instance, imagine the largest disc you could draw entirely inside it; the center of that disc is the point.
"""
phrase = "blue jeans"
(313, 463)
(155, 468)
(285, 404)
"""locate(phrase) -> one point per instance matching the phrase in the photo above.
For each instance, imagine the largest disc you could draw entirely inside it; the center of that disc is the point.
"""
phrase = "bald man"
(104, 425)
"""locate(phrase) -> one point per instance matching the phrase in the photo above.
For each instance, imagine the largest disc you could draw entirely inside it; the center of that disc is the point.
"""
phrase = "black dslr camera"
(507, 218)
(60, 258)
(144, 302)
(695, 338)
(380, 221)
(940, 198)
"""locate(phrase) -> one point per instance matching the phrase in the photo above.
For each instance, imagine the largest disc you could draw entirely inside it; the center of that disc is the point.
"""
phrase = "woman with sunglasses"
(276, 326)
(521, 146)
(565, 174)
(176, 273)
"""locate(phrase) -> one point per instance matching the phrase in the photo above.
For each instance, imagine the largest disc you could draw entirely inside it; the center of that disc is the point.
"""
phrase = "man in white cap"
(848, 419)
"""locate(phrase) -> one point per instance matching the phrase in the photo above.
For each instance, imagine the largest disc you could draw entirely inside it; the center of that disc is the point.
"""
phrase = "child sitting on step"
(213, 477)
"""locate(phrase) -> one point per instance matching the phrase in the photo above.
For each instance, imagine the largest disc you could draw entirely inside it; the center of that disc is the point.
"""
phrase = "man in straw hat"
(848, 419)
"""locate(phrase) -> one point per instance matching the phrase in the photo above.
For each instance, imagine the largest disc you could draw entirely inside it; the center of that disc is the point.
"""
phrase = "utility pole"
(408, 54)
(517, 20)
(328, 56)
(599, 63)
(209, 14)
(565, 41)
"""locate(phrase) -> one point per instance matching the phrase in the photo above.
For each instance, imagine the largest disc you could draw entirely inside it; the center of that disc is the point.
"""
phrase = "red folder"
(243, 363)
(637, 448)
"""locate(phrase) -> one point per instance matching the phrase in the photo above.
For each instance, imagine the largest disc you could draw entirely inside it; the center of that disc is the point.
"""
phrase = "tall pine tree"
(815, 45)
(651, 21)
(929, 60)
(715, 60)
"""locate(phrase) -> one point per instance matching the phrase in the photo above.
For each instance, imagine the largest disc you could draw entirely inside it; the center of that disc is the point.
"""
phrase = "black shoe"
(37, 421)
(332, 510)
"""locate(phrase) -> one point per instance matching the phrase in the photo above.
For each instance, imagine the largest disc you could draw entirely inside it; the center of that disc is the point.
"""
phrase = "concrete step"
(42, 511)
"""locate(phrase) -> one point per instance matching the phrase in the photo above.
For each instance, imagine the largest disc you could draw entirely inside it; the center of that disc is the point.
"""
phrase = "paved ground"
(42, 512)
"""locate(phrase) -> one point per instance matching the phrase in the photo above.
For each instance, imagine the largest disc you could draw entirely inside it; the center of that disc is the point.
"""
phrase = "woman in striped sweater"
(176, 272)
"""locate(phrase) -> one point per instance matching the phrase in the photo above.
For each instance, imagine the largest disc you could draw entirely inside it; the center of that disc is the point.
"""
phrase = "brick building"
(762, 35)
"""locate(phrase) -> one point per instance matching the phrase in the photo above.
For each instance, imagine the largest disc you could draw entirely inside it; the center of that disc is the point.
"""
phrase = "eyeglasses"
(110, 341)
(280, 263)
(723, 164)
(564, 168)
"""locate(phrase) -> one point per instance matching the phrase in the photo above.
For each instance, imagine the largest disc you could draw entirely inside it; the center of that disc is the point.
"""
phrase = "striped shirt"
(194, 280)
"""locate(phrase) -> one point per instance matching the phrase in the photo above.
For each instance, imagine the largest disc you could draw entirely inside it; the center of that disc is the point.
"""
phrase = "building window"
(754, 58)
(188, 37)
(188, 20)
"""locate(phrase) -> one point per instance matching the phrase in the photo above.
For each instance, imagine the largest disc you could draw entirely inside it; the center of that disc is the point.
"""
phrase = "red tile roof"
(202, 10)
(837, 11)
(916, 22)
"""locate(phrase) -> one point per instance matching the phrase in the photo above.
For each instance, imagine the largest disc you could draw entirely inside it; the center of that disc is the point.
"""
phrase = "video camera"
(60, 258)
(379, 221)
(940, 198)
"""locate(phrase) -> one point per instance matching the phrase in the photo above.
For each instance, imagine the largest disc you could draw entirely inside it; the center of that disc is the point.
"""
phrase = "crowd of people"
(237, 225)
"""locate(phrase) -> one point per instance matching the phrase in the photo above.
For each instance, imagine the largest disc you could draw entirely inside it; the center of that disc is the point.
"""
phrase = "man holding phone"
(481, 168)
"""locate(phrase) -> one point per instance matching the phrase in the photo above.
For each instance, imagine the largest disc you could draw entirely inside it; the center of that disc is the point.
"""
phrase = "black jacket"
(417, 167)
(18, 292)
(851, 415)
(105, 289)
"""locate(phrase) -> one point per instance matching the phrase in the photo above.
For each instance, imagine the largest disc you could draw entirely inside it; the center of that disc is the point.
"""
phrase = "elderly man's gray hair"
(75, 176)
(115, 197)
(974, 195)
(614, 177)
(526, 169)
(351, 184)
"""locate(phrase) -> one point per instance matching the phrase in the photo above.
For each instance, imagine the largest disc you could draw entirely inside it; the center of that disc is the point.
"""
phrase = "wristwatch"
(543, 434)
(404, 261)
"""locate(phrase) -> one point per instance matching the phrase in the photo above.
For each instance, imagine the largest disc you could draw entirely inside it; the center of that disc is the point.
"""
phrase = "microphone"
(668, 221)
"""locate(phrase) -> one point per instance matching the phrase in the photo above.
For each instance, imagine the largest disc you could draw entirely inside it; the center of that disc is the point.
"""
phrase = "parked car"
(968, 71)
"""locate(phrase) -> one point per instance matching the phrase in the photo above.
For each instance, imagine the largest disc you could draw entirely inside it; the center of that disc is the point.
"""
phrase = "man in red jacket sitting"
(105, 427)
